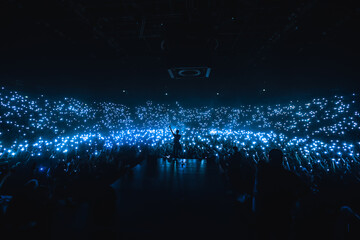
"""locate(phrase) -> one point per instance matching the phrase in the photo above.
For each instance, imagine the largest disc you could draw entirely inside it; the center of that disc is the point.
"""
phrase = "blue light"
(68, 124)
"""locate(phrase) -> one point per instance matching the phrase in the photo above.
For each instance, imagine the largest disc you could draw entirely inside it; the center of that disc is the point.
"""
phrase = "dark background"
(95, 49)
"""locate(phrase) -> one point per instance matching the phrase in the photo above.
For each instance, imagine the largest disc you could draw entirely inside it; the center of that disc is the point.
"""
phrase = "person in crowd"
(5, 173)
(177, 146)
(29, 212)
(275, 193)
(348, 224)
(241, 172)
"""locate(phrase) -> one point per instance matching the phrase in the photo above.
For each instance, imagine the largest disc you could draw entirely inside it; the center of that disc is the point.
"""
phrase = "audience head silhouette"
(32, 184)
(177, 131)
(276, 157)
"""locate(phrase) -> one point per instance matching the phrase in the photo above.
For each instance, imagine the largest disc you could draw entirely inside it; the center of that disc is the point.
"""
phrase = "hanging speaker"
(189, 72)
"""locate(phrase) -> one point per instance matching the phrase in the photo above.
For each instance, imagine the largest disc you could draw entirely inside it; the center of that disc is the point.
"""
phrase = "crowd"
(51, 148)
(283, 204)
(321, 134)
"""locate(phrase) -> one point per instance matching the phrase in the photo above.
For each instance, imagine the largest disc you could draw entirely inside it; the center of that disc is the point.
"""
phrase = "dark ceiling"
(98, 48)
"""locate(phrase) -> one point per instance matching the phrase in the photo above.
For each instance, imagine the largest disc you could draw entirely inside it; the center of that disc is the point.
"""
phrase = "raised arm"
(171, 130)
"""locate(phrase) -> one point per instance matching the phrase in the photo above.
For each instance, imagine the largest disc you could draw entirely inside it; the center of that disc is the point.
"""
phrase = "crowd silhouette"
(285, 205)
(279, 203)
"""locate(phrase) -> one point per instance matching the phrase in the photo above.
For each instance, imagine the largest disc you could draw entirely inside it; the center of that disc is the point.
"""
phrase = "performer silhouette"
(177, 145)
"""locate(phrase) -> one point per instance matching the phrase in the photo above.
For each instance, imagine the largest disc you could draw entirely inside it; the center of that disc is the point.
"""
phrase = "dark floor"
(167, 199)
